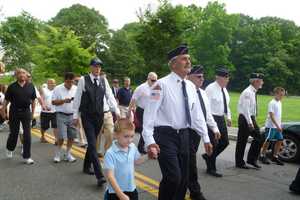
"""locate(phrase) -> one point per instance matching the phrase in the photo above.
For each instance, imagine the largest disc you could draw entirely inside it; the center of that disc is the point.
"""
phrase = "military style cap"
(180, 50)
(222, 72)
(256, 76)
(95, 62)
(197, 69)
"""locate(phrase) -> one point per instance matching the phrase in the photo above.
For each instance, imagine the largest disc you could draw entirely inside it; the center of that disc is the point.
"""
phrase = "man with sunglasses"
(139, 101)
(197, 77)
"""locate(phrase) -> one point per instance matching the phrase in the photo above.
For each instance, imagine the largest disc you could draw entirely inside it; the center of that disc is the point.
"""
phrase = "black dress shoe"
(88, 171)
(214, 173)
(254, 164)
(199, 196)
(242, 166)
(101, 181)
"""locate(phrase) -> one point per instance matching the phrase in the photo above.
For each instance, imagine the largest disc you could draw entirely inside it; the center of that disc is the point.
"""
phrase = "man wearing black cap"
(88, 101)
(247, 108)
(173, 109)
(197, 77)
(219, 104)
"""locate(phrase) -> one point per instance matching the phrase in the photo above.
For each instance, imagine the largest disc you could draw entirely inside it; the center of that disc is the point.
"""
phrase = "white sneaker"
(9, 154)
(29, 161)
(57, 157)
(70, 158)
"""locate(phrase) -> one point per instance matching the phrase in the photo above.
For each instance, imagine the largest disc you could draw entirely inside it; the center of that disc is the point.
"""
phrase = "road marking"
(143, 182)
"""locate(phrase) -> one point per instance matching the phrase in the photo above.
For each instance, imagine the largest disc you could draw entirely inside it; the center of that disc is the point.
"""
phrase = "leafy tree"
(88, 24)
(17, 34)
(59, 51)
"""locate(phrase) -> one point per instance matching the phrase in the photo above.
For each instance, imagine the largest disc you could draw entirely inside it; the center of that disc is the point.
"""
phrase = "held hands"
(153, 151)
(208, 148)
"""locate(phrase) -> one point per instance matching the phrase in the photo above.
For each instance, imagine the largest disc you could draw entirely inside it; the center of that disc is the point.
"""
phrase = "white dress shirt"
(110, 99)
(141, 95)
(215, 97)
(247, 103)
(211, 123)
(47, 97)
(166, 108)
(61, 92)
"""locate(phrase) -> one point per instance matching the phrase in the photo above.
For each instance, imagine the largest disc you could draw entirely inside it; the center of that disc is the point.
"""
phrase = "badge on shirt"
(155, 93)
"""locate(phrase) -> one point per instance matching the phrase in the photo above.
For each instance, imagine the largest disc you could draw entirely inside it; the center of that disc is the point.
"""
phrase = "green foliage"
(59, 51)
(17, 34)
(85, 22)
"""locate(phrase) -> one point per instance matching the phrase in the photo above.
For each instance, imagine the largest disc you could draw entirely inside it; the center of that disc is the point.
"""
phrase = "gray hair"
(152, 74)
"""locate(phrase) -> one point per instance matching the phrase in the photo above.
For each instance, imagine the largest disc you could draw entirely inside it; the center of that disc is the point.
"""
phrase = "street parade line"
(143, 182)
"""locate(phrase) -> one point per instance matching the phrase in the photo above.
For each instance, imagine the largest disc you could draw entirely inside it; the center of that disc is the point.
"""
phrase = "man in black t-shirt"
(20, 95)
(124, 96)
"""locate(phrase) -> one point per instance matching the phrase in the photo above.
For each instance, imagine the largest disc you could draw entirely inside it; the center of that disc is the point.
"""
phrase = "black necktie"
(202, 103)
(186, 104)
(256, 113)
(224, 101)
(95, 82)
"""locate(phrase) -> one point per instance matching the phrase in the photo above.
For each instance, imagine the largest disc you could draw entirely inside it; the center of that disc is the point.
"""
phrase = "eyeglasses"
(153, 81)
(200, 76)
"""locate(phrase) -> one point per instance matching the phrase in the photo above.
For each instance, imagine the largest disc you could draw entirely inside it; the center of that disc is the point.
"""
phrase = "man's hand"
(153, 151)
(75, 122)
(279, 129)
(251, 127)
(217, 135)
(229, 122)
(208, 148)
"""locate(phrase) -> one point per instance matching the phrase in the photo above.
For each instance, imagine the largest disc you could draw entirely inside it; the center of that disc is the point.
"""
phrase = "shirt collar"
(176, 78)
(92, 76)
(252, 88)
(115, 147)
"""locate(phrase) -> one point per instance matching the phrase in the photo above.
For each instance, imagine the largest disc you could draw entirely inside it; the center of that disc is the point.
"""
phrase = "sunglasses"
(152, 80)
(200, 76)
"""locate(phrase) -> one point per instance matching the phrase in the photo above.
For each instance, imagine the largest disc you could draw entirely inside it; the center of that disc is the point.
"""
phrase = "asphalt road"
(46, 180)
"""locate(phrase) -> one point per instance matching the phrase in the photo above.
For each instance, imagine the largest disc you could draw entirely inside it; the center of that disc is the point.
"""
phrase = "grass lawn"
(290, 108)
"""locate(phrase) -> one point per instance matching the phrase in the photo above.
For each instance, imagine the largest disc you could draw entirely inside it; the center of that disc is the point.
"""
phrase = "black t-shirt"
(124, 96)
(20, 97)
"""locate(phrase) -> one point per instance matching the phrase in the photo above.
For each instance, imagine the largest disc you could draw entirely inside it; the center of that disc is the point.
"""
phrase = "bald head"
(51, 83)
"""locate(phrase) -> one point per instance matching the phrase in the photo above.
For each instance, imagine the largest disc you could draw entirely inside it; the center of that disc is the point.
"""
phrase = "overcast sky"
(120, 12)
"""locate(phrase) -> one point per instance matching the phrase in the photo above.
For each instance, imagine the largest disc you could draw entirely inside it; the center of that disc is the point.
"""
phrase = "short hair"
(69, 76)
(124, 124)
(126, 78)
(152, 74)
(278, 89)
(19, 70)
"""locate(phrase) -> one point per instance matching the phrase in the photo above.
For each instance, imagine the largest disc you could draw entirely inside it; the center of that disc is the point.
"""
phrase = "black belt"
(20, 109)
(106, 111)
(169, 128)
(67, 114)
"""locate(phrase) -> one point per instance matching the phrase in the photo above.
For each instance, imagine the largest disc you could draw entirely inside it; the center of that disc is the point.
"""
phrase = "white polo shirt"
(61, 92)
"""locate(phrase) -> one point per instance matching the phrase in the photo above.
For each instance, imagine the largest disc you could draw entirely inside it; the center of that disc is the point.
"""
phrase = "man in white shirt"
(247, 108)
(172, 110)
(89, 102)
(138, 103)
(48, 114)
(197, 77)
(219, 103)
(62, 98)
(107, 129)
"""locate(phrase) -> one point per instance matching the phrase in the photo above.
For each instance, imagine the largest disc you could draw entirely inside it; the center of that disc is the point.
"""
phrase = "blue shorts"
(272, 134)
